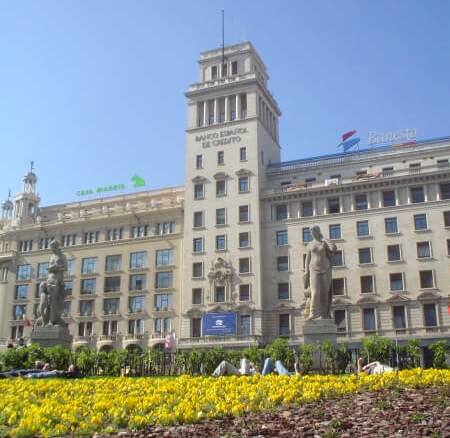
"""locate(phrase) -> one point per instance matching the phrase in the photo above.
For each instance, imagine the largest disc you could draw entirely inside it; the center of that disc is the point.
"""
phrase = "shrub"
(305, 357)
(377, 348)
(440, 350)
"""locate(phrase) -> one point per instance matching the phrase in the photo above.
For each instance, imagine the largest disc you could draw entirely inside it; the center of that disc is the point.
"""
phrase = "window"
(4, 273)
(221, 242)
(399, 318)
(445, 190)
(232, 108)
(333, 205)
(163, 301)
(199, 192)
(362, 228)
(447, 218)
(414, 167)
(423, 250)
(244, 325)
(89, 265)
(234, 68)
(214, 72)
(306, 235)
(283, 291)
(85, 329)
(163, 325)
(114, 234)
(91, 237)
(21, 292)
(390, 225)
(244, 265)
(338, 286)
(396, 281)
(196, 327)
(112, 284)
(244, 184)
(243, 98)
(113, 263)
(197, 270)
(66, 309)
(221, 188)
(388, 171)
(42, 270)
(19, 311)
(335, 231)
(17, 332)
(337, 258)
(137, 282)
(25, 245)
(283, 264)
(243, 154)
(220, 157)
(244, 240)
(221, 105)
(307, 208)
(70, 267)
(340, 320)
(136, 327)
(244, 292)
(88, 286)
(426, 279)
(136, 304)
(221, 216)
(197, 296)
(164, 257)
(420, 222)
(200, 113)
(138, 260)
(284, 324)
(210, 106)
(109, 328)
(197, 244)
(23, 272)
(367, 285)
(198, 219)
(442, 163)
(281, 212)
(448, 247)
(164, 280)
(429, 315)
(389, 199)
(219, 294)
(369, 319)
(393, 253)
(361, 202)
(68, 239)
(244, 213)
(111, 306)
(139, 231)
(310, 180)
(86, 307)
(68, 286)
(417, 195)
(282, 238)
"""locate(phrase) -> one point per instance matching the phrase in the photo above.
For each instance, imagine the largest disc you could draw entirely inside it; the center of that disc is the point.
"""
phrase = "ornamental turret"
(27, 202)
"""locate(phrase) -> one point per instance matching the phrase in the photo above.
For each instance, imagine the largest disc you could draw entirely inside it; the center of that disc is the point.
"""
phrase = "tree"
(279, 350)
(413, 353)
(305, 357)
(329, 355)
(440, 350)
(343, 357)
(377, 348)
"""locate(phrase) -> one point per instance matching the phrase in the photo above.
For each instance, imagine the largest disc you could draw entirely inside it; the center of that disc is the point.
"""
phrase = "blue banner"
(219, 324)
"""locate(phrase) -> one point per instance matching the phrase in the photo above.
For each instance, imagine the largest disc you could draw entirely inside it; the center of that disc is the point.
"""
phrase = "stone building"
(232, 240)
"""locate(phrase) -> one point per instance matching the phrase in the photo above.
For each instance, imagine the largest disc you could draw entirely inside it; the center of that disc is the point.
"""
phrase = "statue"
(317, 276)
(52, 291)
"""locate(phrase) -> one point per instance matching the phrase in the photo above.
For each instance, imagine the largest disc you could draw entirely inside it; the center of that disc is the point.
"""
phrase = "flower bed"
(58, 407)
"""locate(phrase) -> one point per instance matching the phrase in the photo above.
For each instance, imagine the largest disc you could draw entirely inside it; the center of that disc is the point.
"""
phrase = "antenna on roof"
(223, 36)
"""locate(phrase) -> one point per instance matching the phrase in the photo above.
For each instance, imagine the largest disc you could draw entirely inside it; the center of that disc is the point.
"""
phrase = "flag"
(27, 321)
(350, 143)
(348, 134)
(170, 342)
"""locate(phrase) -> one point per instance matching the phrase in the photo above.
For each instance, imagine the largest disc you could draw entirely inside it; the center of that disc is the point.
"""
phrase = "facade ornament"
(317, 276)
(220, 274)
(52, 291)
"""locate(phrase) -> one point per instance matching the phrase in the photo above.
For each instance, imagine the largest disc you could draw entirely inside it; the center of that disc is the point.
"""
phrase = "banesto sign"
(219, 138)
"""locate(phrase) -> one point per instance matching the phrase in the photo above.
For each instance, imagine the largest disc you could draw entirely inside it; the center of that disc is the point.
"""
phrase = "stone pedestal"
(315, 331)
(50, 336)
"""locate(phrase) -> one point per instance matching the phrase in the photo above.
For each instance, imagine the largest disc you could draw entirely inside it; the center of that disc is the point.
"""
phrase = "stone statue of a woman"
(318, 275)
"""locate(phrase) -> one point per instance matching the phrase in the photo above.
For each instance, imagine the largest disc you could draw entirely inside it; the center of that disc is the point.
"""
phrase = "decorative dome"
(7, 205)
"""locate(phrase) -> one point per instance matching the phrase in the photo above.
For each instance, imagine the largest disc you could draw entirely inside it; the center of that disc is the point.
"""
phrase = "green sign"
(137, 181)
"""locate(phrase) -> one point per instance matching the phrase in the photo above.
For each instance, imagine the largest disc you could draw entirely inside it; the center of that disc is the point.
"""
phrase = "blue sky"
(92, 91)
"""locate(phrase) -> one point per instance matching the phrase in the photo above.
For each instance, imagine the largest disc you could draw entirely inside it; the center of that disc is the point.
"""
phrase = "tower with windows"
(27, 201)
(232, 135)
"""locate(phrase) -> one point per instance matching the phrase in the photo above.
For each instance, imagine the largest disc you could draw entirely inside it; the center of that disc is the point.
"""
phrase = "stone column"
(238, 98)
(227, 108)
(205, 113)
(216, 107)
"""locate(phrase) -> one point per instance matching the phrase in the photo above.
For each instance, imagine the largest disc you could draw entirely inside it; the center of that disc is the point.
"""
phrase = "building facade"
(233, 239)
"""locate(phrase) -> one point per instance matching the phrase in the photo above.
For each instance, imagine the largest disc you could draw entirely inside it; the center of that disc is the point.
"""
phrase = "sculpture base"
(315, 331)
(51, 336)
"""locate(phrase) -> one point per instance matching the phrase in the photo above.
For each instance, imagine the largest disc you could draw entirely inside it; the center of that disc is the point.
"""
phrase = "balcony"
(7, 256)
(214, 341)
(83, 341)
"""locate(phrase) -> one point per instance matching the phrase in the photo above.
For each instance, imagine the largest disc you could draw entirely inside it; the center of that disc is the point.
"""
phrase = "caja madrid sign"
(219, 324)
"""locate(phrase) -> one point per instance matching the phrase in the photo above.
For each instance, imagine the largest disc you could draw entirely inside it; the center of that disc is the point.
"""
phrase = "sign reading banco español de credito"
(219, 138)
